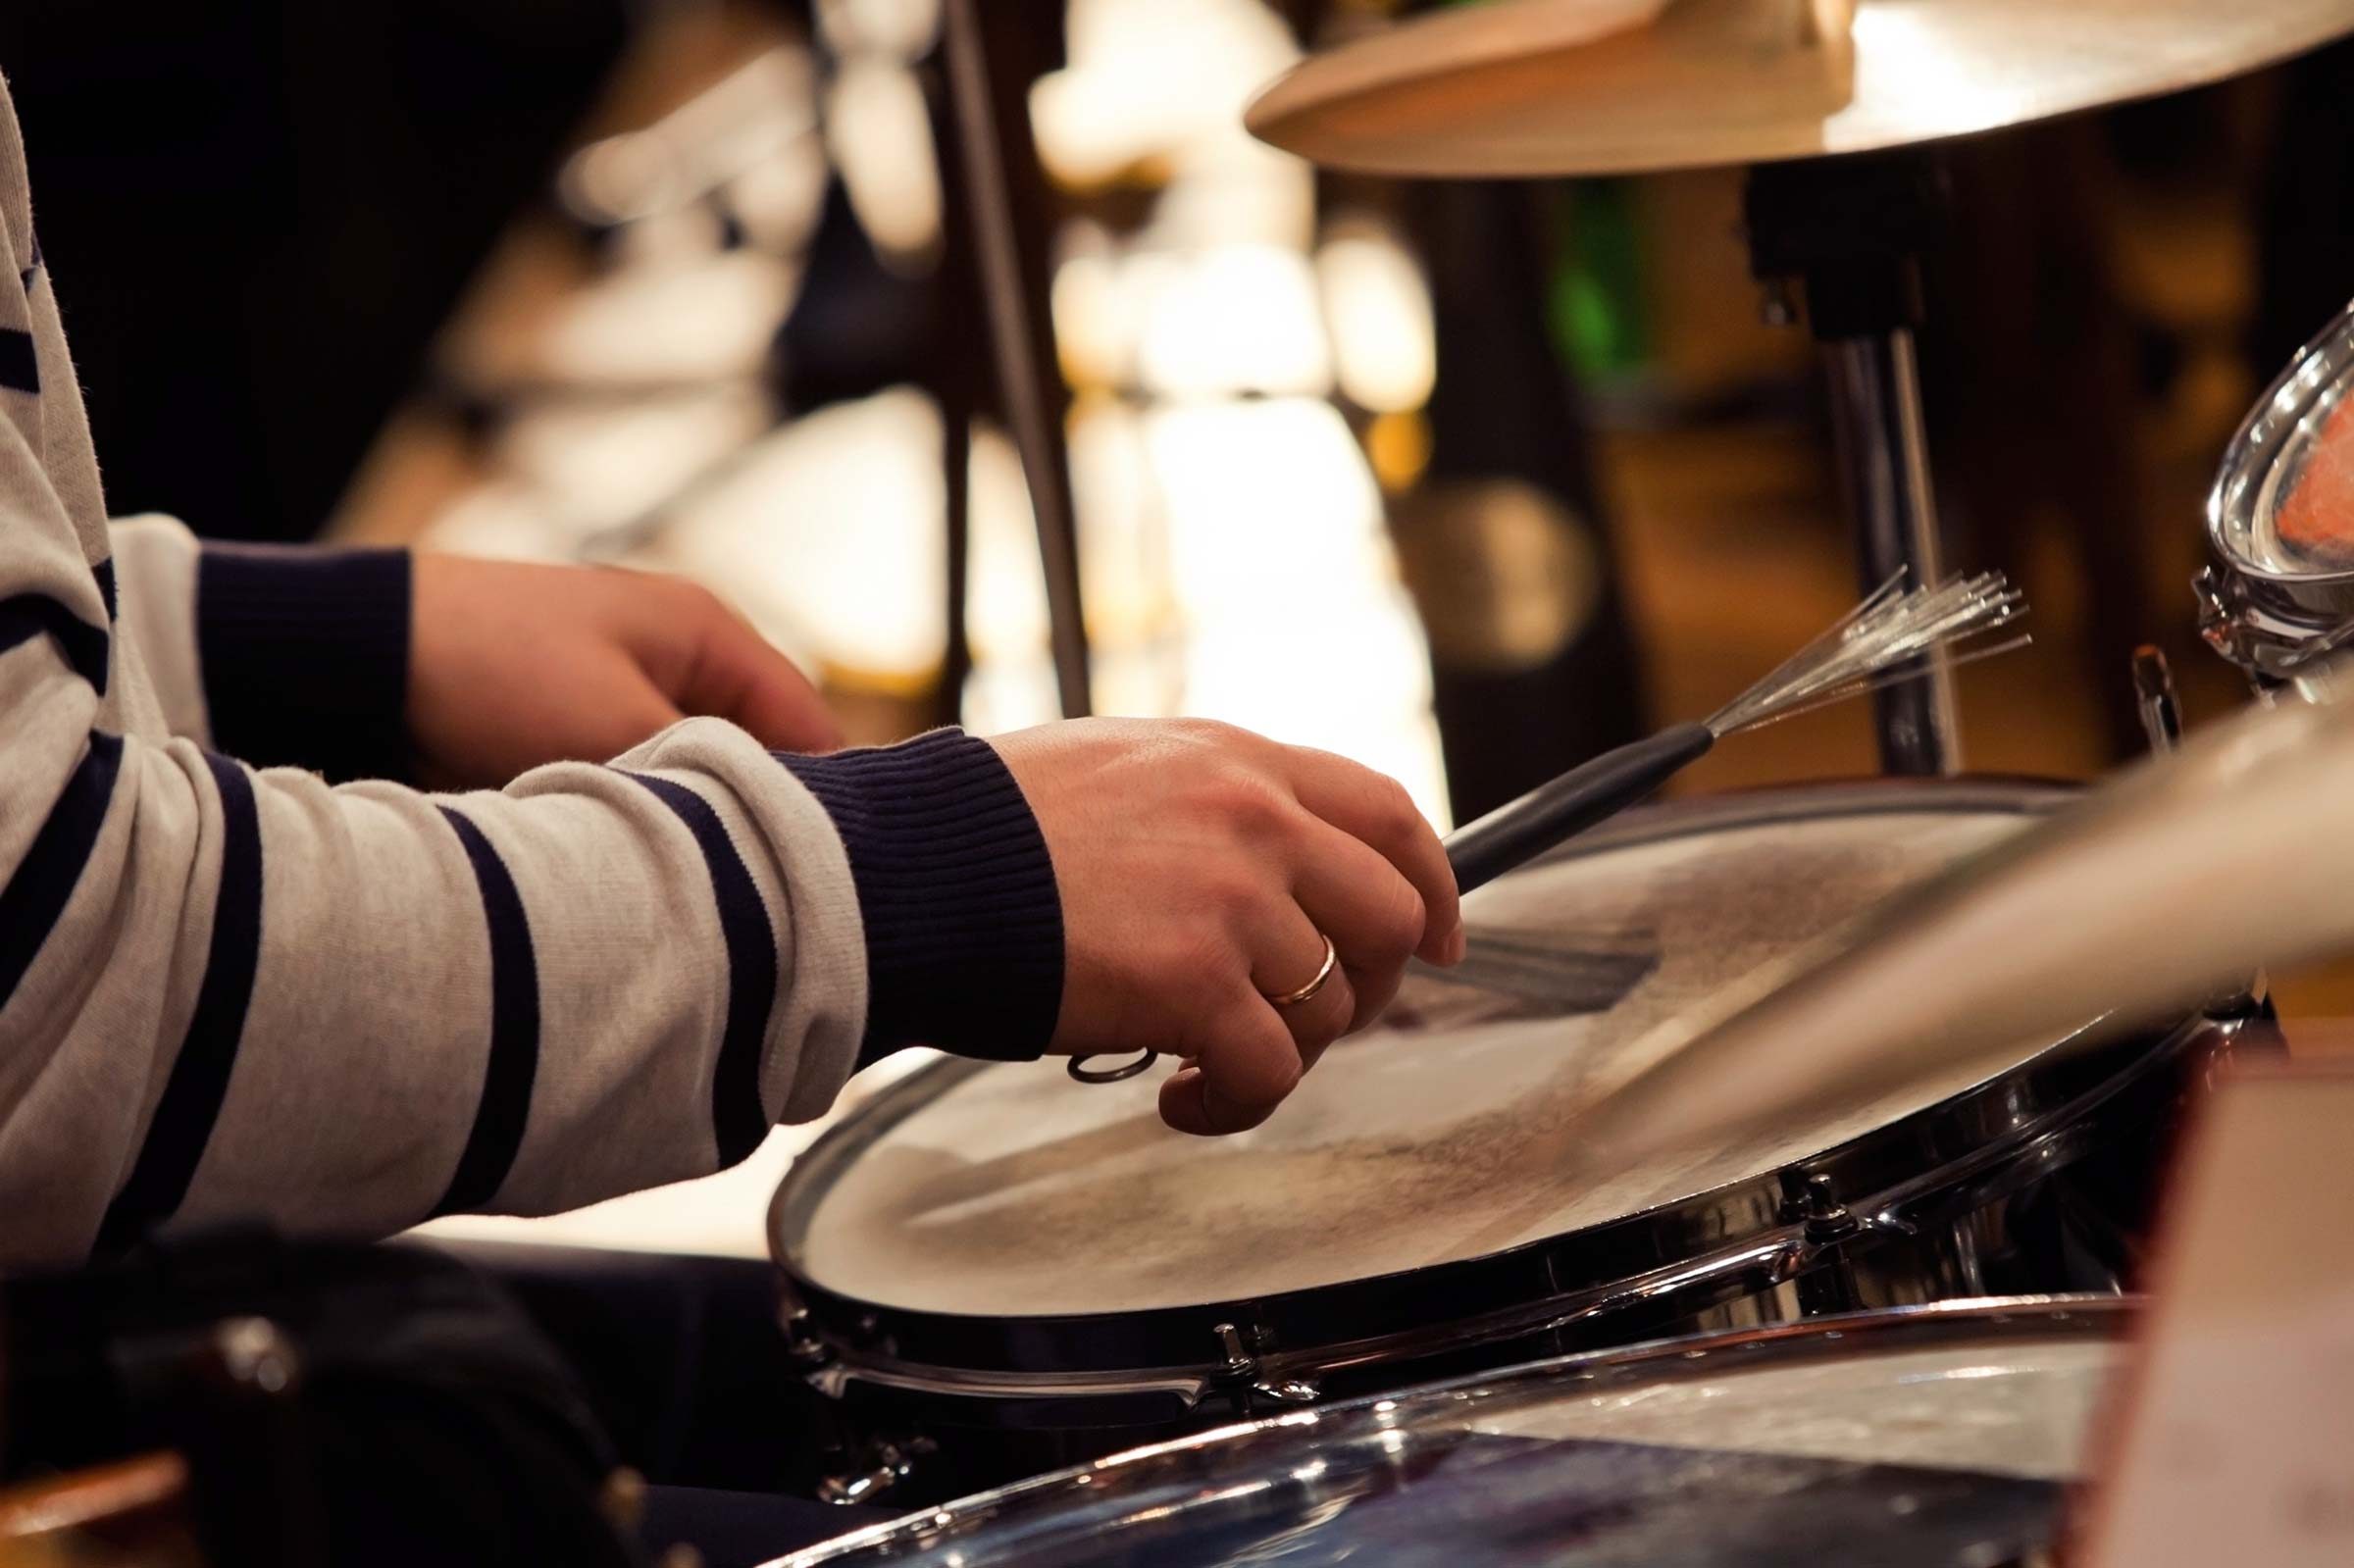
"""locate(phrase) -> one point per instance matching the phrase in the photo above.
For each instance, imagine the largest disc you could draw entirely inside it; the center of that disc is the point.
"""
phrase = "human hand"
(513, 665)
(1201, 869)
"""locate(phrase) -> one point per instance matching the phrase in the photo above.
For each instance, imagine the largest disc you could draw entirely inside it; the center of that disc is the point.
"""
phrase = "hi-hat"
(1523, 87)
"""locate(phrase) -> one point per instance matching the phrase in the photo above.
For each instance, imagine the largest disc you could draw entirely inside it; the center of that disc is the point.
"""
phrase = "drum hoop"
(1526, 1287)
(1663, 1362)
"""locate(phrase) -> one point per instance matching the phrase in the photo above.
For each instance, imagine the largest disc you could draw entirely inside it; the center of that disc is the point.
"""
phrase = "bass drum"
(1943, 1437)
(994, 1270)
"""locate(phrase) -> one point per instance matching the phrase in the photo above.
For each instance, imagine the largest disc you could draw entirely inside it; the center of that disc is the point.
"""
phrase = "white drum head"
(1019, 1192)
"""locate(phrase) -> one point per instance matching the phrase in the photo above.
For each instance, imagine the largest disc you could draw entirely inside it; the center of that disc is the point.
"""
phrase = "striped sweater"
(232, 991)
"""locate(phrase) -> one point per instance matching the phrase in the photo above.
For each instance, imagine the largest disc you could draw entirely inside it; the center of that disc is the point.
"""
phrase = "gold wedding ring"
(1308, 992)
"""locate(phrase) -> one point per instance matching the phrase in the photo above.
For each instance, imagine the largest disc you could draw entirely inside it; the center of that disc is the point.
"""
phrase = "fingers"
(1244, 1064)
(1288, 953)
(740, 676)
(1377, 811)
(1373, 915)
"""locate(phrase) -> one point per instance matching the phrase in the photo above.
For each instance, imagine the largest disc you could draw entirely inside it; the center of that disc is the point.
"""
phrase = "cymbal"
(2161, 889)
(1518, 87)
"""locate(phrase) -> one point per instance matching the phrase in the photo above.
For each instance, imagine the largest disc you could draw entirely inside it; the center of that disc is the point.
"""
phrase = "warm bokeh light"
(903, 28)
(757, 111)
(829, 533)
(681, 322)
(1154, 83)
(1235, 319)
(1384, 344)
(880, 135)
(1283, 567)
(1398, 445)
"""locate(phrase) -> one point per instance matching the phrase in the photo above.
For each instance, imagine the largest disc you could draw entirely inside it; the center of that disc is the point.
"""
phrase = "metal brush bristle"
(1871, 646)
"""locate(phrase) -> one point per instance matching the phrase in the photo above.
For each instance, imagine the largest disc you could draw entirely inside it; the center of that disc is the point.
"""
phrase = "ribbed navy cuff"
(963, 921)
(306, 657)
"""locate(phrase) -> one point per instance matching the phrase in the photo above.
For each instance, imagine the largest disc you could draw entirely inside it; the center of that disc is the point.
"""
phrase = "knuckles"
(1250, 807)
(1228, 893)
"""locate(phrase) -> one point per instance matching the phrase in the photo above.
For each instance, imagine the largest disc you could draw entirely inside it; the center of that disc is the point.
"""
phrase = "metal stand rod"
(1021, 388)
(1883, 462)
(1849, 233)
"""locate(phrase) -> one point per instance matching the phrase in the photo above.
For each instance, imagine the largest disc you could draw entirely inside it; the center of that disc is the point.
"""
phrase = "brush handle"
(1519, 831)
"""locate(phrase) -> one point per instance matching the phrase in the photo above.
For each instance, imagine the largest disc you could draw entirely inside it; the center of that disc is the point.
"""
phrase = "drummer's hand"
(1201, 867)
(513, 665)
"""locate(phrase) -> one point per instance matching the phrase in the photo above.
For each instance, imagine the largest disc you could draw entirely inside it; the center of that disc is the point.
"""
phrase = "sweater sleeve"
(278, 655)
(229, 992)
(154, 579)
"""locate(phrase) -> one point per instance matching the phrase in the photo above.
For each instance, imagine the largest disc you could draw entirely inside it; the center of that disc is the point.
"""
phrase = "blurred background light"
(1385, 346)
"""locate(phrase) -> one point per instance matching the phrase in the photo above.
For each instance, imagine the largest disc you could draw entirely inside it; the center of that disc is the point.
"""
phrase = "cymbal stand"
(1844, 236)
(1012, 297)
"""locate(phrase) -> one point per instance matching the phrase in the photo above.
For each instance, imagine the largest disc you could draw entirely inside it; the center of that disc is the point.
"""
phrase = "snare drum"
(1942, 1436)
(992, 1270)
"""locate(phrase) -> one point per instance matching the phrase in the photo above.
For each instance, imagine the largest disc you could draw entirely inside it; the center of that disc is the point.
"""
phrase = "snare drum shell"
(2034, 1182)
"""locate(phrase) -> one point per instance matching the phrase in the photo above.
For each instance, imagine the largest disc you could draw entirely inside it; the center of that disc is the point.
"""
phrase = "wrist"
(956, 892)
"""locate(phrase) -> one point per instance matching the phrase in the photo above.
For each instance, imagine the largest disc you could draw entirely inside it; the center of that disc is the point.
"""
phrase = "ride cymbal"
(1521, 88)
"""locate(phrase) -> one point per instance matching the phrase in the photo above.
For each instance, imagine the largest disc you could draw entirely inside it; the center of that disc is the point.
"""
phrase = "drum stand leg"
(1848, 233)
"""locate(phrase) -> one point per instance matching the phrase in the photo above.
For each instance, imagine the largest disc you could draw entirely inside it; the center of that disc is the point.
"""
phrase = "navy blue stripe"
(305, 656)
(507, 1102)
(104, 571)
(25, 616)
(37, 891)
(738, 1120)
(19, 366)
(199, 1083)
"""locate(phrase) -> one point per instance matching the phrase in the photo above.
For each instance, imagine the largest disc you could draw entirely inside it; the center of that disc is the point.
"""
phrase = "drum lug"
(1817, 1260)
(887, 1463)
(804, 1343)
(1815, 1206)
(1240, 1373)
(1241, 1364)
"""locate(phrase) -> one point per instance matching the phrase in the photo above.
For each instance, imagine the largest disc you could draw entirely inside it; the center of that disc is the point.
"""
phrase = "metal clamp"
(2263, 631)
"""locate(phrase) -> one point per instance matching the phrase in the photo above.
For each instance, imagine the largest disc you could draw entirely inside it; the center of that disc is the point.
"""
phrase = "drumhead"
(1923, 1436)
(1009, 1190)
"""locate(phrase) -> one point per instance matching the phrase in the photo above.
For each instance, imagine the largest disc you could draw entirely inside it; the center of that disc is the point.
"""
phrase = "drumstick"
(2157, 892)
(1869, 647)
